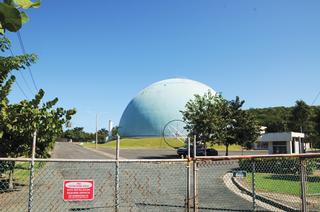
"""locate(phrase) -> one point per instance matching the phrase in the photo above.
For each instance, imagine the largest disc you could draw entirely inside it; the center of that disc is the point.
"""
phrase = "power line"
(28, 67)
(315, 99)
(20, 88)
(21, 74)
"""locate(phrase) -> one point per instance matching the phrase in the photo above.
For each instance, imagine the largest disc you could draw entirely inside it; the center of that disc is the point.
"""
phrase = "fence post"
(253, 185)
(195, 193)
(33, 155)
(117, 175)
(303, 185)
(188, 203)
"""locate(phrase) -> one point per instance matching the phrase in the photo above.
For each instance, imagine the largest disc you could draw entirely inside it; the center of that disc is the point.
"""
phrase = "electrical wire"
(315, 99)
(22, 76)
(28, 67)
(20, 88)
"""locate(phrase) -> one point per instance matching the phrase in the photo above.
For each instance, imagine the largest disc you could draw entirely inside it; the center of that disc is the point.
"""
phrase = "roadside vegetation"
(285, 184)
(21, 175)
(282, 175)
(217, 121)
(19, 121)
(300, 117)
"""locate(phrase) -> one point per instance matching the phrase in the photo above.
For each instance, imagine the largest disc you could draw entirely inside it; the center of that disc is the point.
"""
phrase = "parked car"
(183, 151)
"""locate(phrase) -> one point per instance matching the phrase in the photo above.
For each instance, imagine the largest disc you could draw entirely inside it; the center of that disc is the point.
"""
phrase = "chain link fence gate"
(144, 185)
(236, 183)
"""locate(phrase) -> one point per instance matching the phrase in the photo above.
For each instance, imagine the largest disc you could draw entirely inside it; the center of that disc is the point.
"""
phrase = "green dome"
(155, 106)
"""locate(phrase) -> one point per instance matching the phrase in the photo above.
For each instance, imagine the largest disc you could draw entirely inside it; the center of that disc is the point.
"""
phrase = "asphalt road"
(143, 186)
(64, 150)
(167, 153)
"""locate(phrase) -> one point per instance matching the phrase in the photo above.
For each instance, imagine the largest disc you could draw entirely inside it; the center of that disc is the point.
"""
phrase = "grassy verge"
(285, 184)
(153, 143)
(141, 143)
(21, 172)
(222, 147)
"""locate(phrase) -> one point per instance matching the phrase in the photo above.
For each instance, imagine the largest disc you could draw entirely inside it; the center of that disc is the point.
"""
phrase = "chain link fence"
(143, 185)
(260, 183)
(237, 183)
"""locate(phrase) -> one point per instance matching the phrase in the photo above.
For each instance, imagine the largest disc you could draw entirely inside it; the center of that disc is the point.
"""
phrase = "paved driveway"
(144, 186)
(166, 153)
(66, 150)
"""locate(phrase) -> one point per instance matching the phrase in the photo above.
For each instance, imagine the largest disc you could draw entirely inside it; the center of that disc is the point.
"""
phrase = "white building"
(284, 142)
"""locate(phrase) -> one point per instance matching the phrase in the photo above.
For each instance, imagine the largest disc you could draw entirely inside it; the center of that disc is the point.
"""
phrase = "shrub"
(278, 165)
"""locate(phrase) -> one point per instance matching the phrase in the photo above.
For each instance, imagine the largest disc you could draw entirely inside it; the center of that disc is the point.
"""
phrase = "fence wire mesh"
(313, 184)
(48, 186)
(143, 186)
(275, 181)
(152, 186)
(242, 184)
(14, 185)
(259, 184)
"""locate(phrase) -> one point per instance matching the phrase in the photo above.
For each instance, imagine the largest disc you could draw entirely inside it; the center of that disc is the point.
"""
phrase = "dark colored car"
(183, 151)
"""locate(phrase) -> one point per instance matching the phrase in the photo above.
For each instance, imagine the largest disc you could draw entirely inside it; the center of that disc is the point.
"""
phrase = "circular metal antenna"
(174, 130)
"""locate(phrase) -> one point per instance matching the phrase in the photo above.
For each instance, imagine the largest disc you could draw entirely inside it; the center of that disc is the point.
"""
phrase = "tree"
(235, 126)
(78, 134)
(11, 18)
(102, 135)
(300, 119)
(213, 119)
(276, 119)
(199, 116)
(315, 137)
(115, 132)
(19, 121)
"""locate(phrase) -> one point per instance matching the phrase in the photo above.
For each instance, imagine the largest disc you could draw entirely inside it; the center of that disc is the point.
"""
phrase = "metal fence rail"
(236, 183)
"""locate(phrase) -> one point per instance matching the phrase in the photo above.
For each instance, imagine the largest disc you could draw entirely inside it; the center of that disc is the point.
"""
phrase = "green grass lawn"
(22, 171)
(286, 184)
(141, 143)
(21, 175)
(152, 143)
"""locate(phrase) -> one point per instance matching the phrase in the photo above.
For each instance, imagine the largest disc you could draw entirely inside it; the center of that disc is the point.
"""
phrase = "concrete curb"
(274, 203)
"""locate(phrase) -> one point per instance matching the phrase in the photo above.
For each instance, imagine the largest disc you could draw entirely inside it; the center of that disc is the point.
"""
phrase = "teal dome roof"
(155, 106)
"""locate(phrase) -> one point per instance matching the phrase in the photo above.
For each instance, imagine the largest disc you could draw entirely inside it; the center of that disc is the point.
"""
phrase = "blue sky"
(97, 55)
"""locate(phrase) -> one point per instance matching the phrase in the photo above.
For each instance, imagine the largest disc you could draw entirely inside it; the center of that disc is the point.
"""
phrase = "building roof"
(280, 136)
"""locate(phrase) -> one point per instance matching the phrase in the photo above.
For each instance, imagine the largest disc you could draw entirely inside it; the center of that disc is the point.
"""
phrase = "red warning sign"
(78, 190)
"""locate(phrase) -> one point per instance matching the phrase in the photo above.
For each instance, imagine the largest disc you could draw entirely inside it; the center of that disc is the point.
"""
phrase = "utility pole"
(96, 130)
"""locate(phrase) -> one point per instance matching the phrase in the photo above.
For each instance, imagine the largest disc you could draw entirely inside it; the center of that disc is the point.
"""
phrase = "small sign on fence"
(239, 174)
(78, 190)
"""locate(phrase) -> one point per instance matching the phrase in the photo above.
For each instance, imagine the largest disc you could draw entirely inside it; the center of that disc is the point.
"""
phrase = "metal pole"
(33, 155)
(188, 203)
(195, 193)
(253, 185)
(301, 146)
(303, 185)
(96, 130)
(117, 174)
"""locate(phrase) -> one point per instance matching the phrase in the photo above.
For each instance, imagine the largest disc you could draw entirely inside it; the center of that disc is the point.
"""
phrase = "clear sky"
(97, 55)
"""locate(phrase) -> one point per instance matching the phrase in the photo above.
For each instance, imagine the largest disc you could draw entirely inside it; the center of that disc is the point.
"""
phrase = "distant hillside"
(278, 119)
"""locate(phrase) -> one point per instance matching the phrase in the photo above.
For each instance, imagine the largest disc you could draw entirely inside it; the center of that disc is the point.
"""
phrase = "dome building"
(155, 106)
